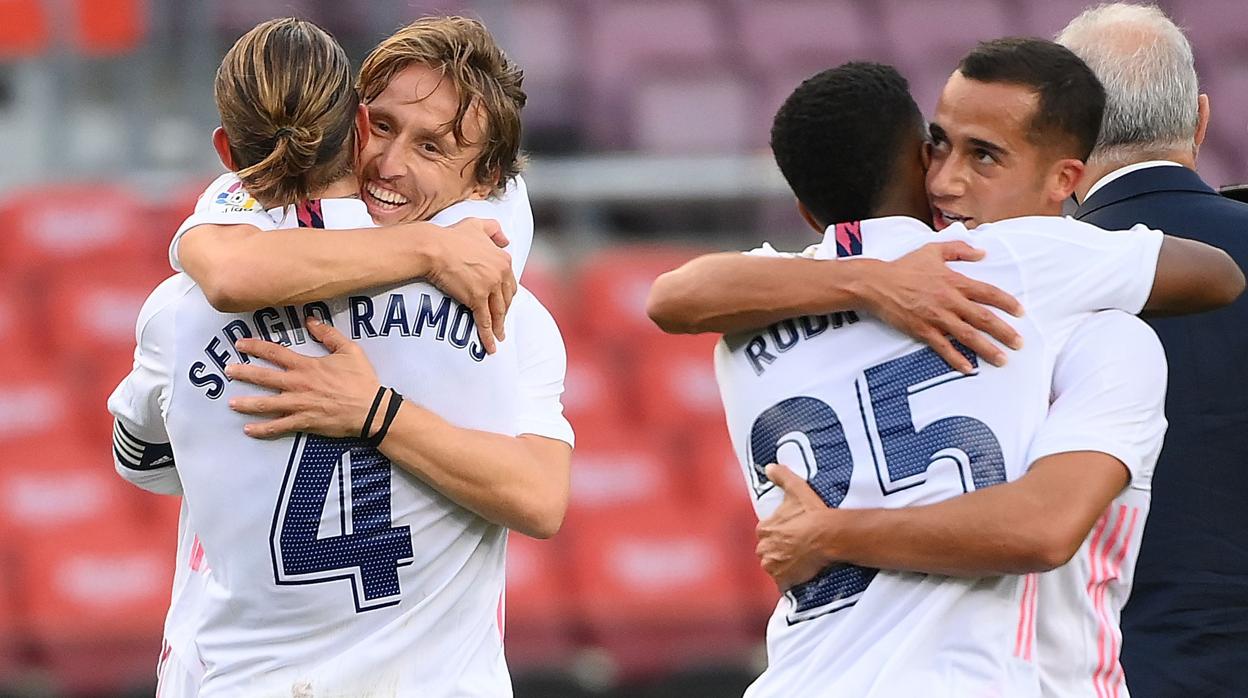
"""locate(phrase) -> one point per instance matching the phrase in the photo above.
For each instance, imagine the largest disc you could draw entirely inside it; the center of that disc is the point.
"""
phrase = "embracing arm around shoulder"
(242, 268)
(1033, 524)
(1103, 429)
(917, 294)
(520, 482)
(1192, 277)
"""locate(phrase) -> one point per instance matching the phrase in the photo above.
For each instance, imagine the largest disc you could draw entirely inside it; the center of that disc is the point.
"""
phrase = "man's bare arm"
(241, 268)
(918, 294)
(1033, 524)
(521, 482)
(1193, 277)
(518, 482)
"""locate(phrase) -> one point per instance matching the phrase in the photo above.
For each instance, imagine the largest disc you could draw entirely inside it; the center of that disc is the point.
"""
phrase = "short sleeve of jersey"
(138, 404)
(543, 364)
(224, 202)
(512, 211)
(1069, 267)
(1109, 390)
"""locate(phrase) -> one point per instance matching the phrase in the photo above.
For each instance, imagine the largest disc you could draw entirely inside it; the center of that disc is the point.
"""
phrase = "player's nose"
(945, 181)
(391, 163)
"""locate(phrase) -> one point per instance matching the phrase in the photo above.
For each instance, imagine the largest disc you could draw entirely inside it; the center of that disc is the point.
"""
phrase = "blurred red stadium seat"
(96, 310)
(543, 281)
(620, 473)
(19, 316)
(715, 477)
(676, 379)
(23, 28)
(538, 622)
(45, 227)
(110, 27)
(94, 600)
(612, 287)
(654, 583)
(592, 397)
(167, 211)
(94, 336)
(36, 408)
(10, 629)
(57, 484)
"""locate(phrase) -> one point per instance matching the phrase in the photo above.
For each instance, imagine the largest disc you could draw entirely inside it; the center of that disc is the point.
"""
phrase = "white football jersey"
(226, 202)
(873, 419)
(1109, 390)
(331, 571)
(543, 364)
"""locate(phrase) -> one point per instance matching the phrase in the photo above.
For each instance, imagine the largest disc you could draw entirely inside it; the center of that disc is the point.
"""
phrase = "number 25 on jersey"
(812, 427)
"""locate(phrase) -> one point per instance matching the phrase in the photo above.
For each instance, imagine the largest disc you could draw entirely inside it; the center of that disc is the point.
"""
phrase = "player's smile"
(381, 200)
(942, 218)
(413, 165)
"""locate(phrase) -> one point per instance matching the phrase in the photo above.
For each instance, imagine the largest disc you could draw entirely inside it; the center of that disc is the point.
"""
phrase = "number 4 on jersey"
(363, 546)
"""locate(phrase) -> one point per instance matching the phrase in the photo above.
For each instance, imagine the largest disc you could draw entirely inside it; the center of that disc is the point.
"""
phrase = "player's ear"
(221, 143)
(809, 217)
(1064, 177)
(362, 130)
(1202, 118)
(481, 190)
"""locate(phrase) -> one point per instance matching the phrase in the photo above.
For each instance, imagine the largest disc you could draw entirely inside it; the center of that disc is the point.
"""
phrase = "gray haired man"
(1185, 628)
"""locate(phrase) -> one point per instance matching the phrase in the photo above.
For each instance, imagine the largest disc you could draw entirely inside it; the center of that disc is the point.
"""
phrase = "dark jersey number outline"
(815, 429)
(368, 551)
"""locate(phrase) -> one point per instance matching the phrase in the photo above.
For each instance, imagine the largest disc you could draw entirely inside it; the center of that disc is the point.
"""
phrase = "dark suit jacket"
(1185, 628)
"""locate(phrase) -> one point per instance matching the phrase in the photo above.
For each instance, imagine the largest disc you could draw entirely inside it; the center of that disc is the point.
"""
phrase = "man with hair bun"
(307, 564)
(1185, 628)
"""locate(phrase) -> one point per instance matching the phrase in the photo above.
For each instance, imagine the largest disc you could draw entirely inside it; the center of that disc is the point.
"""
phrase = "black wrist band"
(392, 409)
(372, 412)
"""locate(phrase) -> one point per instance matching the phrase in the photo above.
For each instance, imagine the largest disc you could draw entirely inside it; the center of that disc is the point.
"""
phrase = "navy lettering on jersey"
(201, 377)
(428, 317)
(461, 327)
(295, 325)
(396, 316)
(813, 325)
(783, 335)
(320, 310)
(271, 328)
(218, 355)
(756, 352)
(762, 349)
(362, 317)
(235, 331)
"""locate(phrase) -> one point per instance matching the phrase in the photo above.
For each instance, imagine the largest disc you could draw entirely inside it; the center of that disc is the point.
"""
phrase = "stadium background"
(647, 125)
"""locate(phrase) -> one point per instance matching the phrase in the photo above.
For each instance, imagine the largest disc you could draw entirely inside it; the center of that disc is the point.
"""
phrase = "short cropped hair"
(1071, 99)
(1146, 65)
(838, 138)
(463, 50)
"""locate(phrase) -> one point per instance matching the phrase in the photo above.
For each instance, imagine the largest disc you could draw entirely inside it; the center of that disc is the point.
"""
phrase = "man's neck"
(1097, 170)
(346, 188)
